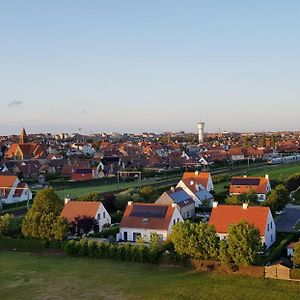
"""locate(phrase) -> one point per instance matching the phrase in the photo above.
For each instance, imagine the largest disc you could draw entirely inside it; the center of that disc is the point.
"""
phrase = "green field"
(30, 276)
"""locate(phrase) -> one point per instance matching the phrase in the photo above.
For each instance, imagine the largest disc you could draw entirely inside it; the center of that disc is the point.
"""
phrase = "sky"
(157, 65)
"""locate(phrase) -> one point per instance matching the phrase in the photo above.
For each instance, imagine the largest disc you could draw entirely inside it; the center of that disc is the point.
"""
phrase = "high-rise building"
(200, 126)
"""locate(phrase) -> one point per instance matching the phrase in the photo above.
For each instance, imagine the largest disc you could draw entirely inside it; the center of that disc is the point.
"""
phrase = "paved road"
(288, 219)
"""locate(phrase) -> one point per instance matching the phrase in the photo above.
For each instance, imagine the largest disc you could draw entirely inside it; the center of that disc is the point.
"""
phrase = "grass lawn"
(30, 276)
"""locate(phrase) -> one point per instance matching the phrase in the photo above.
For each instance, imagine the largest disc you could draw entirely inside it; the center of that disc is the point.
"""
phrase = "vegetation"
(293, 182)
(296, 256)
(4, 224)
(43, 219)
(25, 276)
(92, 196)
(195, 240)
(244, 243)
(250, 198)
(278, 198)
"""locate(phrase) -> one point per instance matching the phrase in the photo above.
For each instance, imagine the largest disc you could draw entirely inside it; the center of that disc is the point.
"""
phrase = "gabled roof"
(224, 215)
(180, 197)
(148, 216)
(200, 177)
(6, 183)
(74, 209)
(243, 185)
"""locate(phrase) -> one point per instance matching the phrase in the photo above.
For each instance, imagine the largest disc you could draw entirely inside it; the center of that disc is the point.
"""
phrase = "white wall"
(270, 235)
(100, 217)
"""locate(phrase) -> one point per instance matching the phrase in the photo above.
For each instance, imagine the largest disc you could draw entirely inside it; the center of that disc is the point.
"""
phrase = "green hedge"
(119, 252)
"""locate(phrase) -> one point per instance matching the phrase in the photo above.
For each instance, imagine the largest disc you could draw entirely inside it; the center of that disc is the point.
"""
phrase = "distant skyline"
(149, 66)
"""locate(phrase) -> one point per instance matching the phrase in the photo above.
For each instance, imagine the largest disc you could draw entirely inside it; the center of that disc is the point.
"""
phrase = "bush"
(26, 245)
(106, 233)
(120, 252)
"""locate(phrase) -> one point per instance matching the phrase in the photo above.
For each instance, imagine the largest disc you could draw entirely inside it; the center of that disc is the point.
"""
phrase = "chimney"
(245, 176)
(191, 182)
(196, 173)
(245, 205)
(215, 204)
(67, 199)
(130, 203)
(174, 205)
(267, 176)
(173, 189)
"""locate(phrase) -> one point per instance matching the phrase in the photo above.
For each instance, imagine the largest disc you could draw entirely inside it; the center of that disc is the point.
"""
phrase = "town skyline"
(155, 66)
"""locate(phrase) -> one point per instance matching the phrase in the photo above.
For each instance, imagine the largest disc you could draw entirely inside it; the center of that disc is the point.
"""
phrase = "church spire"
(23, 137)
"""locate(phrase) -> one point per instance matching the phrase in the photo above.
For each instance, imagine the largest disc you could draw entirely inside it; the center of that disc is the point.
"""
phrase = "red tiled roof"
(74, 209)
(225, 215)
(261, 188)
(201, 177)
(129, 221)
(6, 183)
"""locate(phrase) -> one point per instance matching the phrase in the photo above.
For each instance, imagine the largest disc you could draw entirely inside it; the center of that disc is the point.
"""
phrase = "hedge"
(295, 273)
(106, 233)
(26, 245)
(120, 252)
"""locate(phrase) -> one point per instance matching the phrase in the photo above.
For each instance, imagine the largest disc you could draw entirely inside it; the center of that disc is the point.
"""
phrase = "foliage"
(83, 224)
(293, 182)
(195, 240)
(109, 202)
(244, 243)
(112, 231)
(93, 196)
(224, 256)
(120, 252)
(233, 200)
(296, 256)
(250, 198)
(149, 193)
(43, 219)
(277, 198)
(129, 195)
(4, 224)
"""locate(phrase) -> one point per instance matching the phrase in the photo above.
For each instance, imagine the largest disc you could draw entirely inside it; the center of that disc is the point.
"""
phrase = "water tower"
(200, 126)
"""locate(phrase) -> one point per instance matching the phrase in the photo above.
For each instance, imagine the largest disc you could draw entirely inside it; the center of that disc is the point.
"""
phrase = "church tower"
(23, 137)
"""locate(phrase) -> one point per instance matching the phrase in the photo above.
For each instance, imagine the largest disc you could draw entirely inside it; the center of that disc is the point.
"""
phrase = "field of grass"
(30, 276)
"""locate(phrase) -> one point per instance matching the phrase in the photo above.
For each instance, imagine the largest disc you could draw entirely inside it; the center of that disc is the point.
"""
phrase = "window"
(271, 224)
(177, 220)
(104, 215)
(268, 227)
(98, 216)
(174, 222)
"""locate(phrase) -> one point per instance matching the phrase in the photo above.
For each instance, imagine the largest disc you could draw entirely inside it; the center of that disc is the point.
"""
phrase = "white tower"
(200, 126)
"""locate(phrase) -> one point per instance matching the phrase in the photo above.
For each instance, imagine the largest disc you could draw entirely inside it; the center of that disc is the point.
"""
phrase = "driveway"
(288, 219)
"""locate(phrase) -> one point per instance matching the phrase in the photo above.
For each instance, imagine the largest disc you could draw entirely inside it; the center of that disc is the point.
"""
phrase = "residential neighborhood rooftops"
(244, 184)
(73, 209)
(200, 177)
(149, 216)
(223, 216)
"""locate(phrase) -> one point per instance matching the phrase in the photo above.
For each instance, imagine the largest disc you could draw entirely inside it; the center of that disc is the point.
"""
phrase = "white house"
(77, 209)
(291, 249)
(261, 217)
(185, 203)
(12, 190)
(141, 219)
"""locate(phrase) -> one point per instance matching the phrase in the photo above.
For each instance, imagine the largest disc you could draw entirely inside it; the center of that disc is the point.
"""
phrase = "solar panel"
(145, 211)
(245, 181)
(83, 171)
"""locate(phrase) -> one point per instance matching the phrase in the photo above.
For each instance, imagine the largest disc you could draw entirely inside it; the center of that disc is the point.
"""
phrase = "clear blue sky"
(149, 65)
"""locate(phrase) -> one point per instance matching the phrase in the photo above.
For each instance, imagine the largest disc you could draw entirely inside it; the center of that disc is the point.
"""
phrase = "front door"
(125, 236)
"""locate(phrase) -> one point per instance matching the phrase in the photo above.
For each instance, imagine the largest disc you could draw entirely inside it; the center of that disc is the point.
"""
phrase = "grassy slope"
(28, 276)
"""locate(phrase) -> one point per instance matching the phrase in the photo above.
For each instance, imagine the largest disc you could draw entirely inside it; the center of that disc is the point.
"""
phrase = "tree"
(43, 219)
(83, 224)
(296, 256)
(195, 240)
(262, 141)
(293, 182)
(278, 198)
(4, 223)
(149, 193)
(273, 141)
(250, 198)
(244, 243)
(233, 200)
(93, 196)
(224, 256)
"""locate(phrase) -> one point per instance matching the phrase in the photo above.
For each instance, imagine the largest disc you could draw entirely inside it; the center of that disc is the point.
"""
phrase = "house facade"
(141, 219)
(222, 216)
(246, 184)
(185, 203)
(77, 209)
(12, 190)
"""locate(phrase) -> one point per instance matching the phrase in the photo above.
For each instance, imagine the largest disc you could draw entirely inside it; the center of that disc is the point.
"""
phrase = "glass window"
(104, 215)
(98, 216)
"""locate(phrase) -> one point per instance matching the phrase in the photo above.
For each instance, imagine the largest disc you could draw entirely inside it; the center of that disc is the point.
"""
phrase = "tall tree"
(43, 219)
(244, 243)
(278, 198)
(195, 240)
